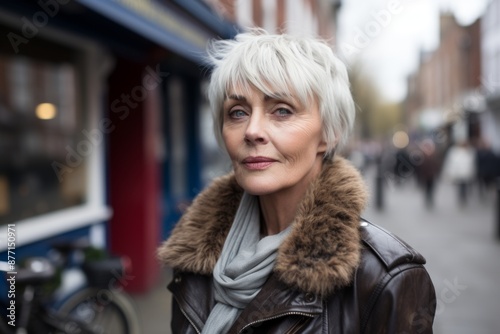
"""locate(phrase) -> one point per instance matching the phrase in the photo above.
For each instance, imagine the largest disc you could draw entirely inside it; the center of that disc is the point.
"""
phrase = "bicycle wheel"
(4, 328)
(103, 311)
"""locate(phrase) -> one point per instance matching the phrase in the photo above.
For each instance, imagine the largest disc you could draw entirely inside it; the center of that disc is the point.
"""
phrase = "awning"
(163, 24)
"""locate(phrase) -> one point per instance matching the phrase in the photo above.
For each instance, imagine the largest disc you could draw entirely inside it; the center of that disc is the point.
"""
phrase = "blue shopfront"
(102, 122)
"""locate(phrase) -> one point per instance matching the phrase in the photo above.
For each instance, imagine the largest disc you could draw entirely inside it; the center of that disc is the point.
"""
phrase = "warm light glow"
(46, 111)
(400, 139)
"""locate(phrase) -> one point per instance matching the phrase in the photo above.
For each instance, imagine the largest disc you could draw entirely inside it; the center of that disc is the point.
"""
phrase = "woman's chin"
(257, 186)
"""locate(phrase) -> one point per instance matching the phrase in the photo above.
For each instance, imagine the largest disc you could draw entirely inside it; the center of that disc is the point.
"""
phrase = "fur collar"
(319, 255)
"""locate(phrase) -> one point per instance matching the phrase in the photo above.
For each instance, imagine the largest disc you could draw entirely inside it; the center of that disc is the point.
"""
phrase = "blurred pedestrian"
(403, 168)
(460, 168)
(357, 157)
(278, 245)
(487, 167)
(428, 170)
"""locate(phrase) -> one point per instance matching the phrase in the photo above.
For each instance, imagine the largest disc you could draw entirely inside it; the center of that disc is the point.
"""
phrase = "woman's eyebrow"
(280, 97)
(236, 97)
(274, 96)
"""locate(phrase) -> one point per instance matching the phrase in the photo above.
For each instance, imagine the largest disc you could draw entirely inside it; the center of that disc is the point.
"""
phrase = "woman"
(278, 245)
(460, 167)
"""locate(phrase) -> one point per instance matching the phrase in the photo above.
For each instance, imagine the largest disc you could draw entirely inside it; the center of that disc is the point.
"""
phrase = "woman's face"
(275, 144)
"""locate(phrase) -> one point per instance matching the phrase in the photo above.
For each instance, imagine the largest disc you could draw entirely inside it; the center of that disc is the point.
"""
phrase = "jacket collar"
(319, 255)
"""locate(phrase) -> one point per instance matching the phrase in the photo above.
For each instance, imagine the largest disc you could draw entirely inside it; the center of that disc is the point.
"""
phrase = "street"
(459, 245)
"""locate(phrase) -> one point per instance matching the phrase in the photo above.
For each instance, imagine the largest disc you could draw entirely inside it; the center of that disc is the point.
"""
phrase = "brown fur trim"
(323, 249)
(319, 255)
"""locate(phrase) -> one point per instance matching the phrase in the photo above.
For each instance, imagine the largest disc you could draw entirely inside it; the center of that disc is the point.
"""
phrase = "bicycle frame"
(37, 313)
(34, 313)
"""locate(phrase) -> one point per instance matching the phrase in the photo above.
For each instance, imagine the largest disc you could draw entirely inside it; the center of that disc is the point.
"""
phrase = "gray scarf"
(243, 267)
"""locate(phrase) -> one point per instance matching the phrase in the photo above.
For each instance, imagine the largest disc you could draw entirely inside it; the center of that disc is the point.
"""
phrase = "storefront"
(99, 122)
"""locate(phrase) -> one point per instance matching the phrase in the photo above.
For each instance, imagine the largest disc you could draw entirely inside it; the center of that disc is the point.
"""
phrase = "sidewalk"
(461, 251)
(154, 307)
(458, 242)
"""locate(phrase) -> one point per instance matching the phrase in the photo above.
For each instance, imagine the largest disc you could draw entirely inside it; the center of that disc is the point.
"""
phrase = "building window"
(41, 122)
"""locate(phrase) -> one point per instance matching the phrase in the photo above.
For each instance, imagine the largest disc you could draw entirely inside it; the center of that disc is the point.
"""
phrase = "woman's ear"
(322, 146)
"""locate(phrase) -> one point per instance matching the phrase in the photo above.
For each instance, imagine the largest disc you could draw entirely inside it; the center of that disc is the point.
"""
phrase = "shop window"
(41, 123)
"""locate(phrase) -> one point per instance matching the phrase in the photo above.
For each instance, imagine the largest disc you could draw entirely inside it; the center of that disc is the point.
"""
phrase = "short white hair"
(304, 67)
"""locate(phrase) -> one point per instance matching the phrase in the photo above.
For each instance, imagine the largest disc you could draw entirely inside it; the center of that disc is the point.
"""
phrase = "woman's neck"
(278, 209)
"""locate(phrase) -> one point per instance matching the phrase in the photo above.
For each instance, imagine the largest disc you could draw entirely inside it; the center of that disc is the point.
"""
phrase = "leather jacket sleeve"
(403, 302)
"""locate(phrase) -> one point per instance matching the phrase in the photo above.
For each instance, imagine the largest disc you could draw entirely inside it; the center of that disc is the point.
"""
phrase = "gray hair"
(303, 66)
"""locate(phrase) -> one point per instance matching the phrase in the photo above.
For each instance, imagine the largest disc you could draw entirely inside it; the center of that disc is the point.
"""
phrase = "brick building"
(490, 52)
(446, 79)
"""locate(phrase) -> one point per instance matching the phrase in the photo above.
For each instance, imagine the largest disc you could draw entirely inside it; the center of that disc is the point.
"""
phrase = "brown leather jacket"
(333, 274)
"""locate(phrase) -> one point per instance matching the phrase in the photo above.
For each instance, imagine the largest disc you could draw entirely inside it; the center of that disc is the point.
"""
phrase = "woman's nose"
(255, 132)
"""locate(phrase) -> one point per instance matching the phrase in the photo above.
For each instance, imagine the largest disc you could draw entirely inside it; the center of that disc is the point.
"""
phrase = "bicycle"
(100, 307)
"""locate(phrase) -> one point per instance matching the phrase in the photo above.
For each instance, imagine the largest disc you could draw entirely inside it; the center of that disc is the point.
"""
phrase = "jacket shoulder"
(388, 248)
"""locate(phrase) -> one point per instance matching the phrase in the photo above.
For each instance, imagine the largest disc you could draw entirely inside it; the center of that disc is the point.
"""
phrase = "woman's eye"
(237, 114)
(283, 112)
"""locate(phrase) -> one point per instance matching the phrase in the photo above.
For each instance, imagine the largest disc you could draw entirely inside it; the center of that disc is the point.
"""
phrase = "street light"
(46, 111)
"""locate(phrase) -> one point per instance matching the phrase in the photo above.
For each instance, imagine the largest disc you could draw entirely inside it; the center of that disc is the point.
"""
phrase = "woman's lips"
(257, 163)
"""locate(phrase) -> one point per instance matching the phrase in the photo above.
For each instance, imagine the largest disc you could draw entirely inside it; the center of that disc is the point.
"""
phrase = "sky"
(386, 36)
